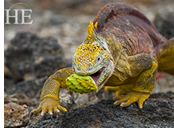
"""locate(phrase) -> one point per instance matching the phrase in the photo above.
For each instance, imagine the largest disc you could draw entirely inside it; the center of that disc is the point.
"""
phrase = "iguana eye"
(98, 59)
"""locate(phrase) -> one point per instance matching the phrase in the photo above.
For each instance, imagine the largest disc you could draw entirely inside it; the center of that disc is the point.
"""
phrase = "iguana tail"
(166, 57)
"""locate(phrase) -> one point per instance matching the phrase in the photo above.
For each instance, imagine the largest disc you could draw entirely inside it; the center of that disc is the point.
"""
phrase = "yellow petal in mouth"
(81, 84)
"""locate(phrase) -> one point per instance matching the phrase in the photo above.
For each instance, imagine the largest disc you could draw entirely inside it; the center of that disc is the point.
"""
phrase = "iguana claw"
(50, 106)
(133, 96)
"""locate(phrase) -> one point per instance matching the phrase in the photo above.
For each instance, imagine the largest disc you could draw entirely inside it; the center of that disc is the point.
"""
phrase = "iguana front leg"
(144, 68)
(50, 93)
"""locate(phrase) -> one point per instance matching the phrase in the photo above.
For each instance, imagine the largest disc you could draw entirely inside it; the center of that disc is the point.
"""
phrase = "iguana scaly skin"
(122, 53)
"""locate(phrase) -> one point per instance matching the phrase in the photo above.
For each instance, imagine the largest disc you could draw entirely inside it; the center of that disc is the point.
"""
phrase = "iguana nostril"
(89, 64)
(78, 66)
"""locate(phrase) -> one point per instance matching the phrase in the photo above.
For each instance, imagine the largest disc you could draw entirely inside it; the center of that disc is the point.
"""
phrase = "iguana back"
(129, 26)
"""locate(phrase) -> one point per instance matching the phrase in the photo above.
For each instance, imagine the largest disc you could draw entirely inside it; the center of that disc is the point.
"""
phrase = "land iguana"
(122, 52)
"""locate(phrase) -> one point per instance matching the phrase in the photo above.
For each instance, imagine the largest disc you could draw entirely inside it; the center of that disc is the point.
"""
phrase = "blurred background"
(67, 20)
(58, 28)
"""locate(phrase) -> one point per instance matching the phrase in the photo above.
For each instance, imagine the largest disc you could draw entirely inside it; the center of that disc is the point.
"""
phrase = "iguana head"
(93, 58)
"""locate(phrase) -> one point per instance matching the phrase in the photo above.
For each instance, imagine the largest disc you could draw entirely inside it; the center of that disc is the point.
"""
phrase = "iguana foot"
(131, 97)
(50, 106)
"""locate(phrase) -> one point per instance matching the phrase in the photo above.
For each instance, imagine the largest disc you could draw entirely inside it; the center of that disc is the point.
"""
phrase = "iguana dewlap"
(122, 53)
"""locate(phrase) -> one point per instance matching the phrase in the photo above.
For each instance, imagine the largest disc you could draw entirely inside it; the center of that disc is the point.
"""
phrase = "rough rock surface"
(30, 88)
(158, 111)
(72, 100)
(164, 21)
(20, 99)
(15, 115)
(30, 57)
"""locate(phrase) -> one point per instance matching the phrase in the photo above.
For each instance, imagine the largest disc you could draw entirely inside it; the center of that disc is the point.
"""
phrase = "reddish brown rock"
(15, 115)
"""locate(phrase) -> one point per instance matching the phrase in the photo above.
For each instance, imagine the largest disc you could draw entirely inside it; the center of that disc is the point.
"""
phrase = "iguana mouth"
(97, 75)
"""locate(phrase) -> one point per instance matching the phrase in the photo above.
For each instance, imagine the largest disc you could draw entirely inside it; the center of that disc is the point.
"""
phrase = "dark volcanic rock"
(30, 57)
(164, 21)
(31, 88)
(158, 111)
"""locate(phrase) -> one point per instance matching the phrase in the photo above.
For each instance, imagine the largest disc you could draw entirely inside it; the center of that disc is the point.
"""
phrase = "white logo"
(23, 14)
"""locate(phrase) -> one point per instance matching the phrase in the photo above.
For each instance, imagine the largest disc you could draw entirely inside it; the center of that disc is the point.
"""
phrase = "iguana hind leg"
(144, 68)
(166, 57)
